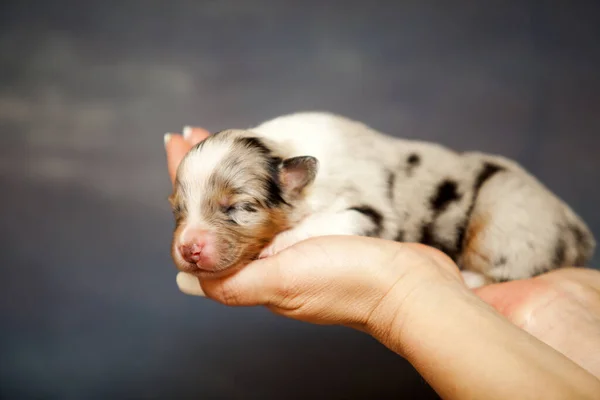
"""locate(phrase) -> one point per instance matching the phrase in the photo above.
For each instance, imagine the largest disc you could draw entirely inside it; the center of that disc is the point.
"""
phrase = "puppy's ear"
(296, 173)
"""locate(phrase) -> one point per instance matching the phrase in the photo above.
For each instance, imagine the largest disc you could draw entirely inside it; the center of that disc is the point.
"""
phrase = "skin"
(540, 335)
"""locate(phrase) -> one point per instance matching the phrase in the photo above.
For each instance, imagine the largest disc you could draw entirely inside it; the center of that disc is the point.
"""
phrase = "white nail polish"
(189, 284)
(187, 131)
(167, 137)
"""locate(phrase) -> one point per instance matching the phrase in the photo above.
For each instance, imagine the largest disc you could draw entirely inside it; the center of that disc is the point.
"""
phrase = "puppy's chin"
(222, 272)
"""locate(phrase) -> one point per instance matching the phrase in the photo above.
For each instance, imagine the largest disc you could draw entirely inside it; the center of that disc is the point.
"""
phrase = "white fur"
(518, 209)
(198, 170)
(318, 224)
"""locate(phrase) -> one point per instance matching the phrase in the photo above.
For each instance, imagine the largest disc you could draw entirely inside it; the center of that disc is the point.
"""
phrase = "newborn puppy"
(244, 194)
(233, 194)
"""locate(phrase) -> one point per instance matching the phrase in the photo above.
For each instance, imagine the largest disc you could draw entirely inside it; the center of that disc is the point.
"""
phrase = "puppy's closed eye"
(248, 207)
(245, 206)
(240, 213)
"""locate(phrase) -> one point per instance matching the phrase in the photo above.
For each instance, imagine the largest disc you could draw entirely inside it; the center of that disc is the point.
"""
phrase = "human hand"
(560, 307)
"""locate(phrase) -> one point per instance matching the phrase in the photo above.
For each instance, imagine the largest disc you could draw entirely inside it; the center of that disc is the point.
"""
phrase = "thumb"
(506, 297)
(258, 283)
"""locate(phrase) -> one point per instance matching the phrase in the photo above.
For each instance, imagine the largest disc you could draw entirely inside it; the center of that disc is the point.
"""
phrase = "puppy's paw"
(474, 280)
(281, 242)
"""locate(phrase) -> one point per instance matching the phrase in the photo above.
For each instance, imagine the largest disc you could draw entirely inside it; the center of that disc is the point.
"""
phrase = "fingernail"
(189, 284)
(187, 131)
(167, 137)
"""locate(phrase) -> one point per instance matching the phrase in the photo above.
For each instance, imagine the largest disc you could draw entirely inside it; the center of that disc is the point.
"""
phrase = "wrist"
(421, 276)
(411, 305)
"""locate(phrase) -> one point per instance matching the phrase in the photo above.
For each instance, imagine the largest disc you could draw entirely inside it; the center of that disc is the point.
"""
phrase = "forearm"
(468, 350)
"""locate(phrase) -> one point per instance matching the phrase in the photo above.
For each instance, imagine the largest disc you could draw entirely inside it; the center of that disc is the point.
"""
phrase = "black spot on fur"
(254, 143)
(391, 181)
(445, 194)
(584, 243)
(413, 161)
(400, 236)
(374, 215)
(428, 238)
(427, 235)
(501, 261)
(501, 280)
(559, 252)
(484, 175)
(272, 186)
(461, 232)
(577, 233)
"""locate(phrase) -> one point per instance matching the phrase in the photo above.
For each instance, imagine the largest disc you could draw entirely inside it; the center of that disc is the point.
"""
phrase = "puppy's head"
(233, 194)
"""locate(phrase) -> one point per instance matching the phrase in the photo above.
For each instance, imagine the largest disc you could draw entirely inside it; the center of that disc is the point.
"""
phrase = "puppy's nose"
(190, 252)
(197, 246)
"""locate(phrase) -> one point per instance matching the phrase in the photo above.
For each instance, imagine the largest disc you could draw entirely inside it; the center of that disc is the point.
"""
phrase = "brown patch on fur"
(474, 257)
(177, 206)
(260, 238)
(251, 240)
(278, 223)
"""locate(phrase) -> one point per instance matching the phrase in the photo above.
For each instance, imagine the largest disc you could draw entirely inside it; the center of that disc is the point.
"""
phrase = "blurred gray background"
(88, 303)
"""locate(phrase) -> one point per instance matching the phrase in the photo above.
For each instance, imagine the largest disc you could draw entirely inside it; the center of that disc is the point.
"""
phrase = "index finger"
(176, 148)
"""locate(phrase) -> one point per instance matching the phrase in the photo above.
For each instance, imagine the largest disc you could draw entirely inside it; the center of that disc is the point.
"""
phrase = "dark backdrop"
(88, 302)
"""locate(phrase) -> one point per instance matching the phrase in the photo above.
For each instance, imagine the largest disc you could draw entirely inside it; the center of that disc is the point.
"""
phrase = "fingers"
(584, 276)
(507, 296)
(176, 146)
(194, 135)
(189, 284)
(256, 284)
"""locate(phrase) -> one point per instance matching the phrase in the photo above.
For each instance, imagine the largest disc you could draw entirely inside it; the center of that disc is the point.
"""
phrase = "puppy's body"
(484, 211)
